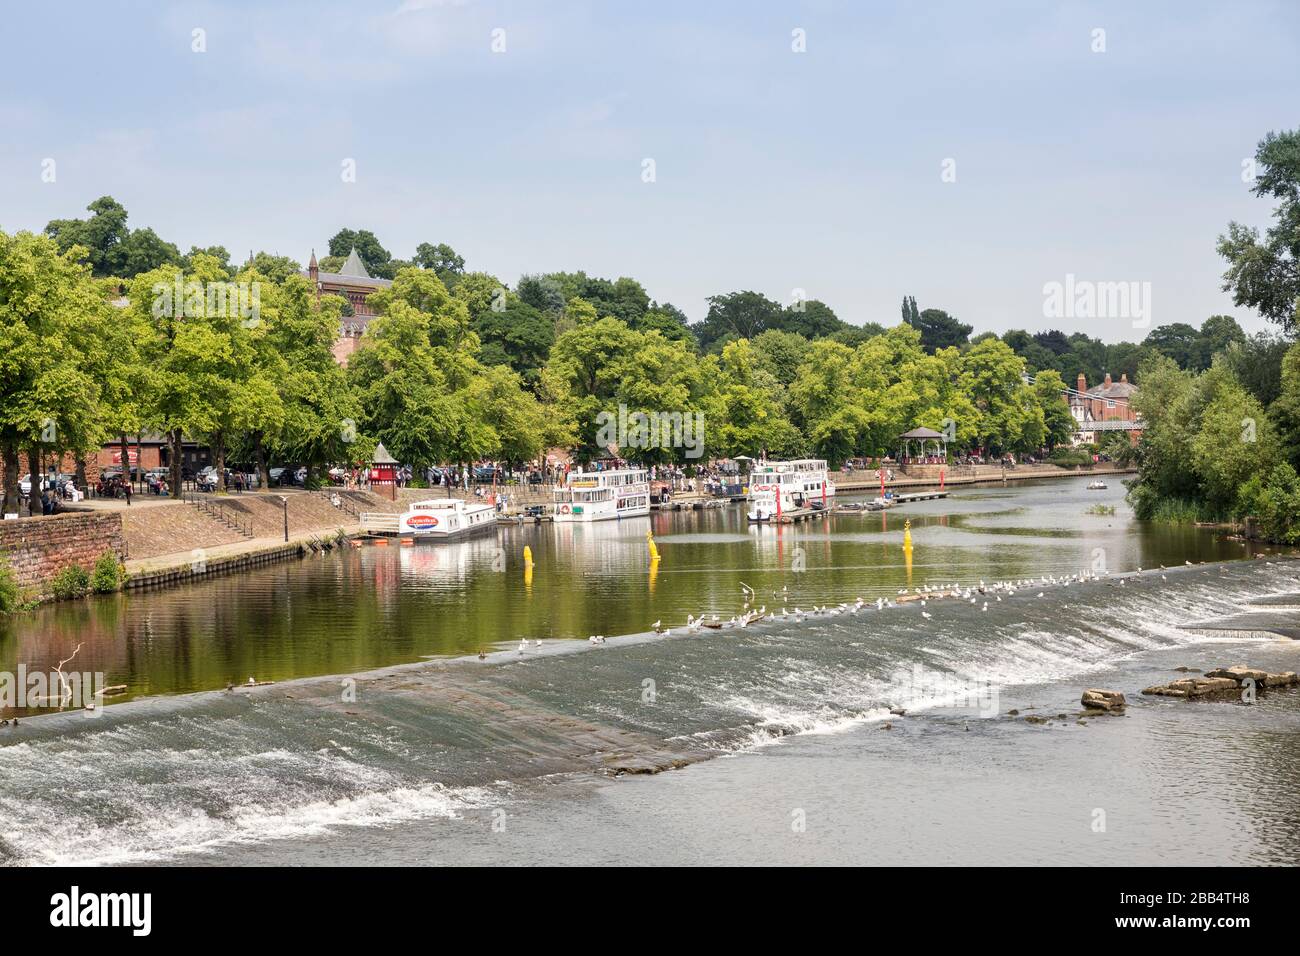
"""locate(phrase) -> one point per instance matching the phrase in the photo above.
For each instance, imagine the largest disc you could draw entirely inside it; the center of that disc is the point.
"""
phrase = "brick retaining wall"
(39, 548)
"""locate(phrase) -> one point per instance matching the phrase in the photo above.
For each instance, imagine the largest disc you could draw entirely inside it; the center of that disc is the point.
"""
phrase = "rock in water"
(1196, 687)
(1107, 700)
(1239, 673)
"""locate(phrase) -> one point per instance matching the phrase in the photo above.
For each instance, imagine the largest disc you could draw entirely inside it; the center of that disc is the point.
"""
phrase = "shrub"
(107, 576)
(11, 597)
(1070, 457)
(1274, 501)
(71, 582)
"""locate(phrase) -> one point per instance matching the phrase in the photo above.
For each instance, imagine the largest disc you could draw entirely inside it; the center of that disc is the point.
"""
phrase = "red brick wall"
(39, 548)
(149, 456)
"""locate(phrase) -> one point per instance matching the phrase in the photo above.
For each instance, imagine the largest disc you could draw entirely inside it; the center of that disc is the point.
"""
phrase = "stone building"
(354, 283)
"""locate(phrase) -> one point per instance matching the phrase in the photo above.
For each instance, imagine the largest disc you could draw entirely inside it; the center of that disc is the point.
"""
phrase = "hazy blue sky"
(775, 170)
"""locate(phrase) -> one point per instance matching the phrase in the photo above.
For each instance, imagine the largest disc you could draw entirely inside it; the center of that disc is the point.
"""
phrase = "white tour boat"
(601, 495)
(434, 519)
(776, 487)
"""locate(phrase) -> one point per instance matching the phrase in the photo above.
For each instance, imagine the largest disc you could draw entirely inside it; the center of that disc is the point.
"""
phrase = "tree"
(101, 235)
(201, 352)
(1218, 332)
(442, 259)
(55, 327)
(517, 336)
(748, 417)
(1010, 416)
(736, 315)
(812, 319)
(414, 359)
(313, 418)
(276, 268)
(1058, 422)
(1265, 274)
(111, 248)
(939, 330)
(1179, 341)
(374, 257)
(542, 293)
(1257, 364)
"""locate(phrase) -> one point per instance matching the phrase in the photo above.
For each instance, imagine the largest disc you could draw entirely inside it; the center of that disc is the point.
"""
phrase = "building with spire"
(354, 283)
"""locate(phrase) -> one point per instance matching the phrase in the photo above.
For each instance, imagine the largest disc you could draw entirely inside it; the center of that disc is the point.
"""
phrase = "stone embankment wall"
(39, 548)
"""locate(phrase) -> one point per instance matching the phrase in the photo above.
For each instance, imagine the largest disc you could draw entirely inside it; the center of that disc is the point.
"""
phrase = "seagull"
(522, 646)
(985, 607)
(1040, 593)
(926, 615)
(597, 639)
(658, 626)
(251, 682)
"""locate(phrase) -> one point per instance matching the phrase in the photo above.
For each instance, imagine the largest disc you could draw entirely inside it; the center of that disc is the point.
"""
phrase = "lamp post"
(284, 501)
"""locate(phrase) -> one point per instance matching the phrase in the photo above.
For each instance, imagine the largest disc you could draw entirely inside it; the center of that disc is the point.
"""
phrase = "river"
(384, 737)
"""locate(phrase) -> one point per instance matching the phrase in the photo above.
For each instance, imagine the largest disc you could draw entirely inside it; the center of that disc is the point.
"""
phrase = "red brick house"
(1104, 408)
(354, 284)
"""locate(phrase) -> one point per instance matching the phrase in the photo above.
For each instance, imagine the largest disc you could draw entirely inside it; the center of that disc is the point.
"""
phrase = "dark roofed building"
(354, 283)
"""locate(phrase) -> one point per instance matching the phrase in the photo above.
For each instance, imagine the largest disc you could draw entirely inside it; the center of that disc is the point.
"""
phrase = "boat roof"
(795, 463)
(609, 471)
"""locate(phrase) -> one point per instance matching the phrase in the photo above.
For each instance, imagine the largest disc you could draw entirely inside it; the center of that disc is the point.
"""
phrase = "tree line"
(1222, 436)
(459, 366)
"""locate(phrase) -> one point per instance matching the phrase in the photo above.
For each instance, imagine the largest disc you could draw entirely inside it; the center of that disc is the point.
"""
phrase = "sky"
(965, 154)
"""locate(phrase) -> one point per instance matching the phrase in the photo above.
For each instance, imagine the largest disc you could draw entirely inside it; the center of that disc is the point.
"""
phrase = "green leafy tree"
(377, 260)
(939, 330)
(442, 259)
(1264, 274)
(54, 324)
(737, 315)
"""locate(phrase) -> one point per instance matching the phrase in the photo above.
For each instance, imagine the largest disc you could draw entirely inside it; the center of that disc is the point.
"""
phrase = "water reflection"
(369, 606)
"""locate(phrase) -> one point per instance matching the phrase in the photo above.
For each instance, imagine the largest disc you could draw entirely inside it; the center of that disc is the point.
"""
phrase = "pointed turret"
(354, 266)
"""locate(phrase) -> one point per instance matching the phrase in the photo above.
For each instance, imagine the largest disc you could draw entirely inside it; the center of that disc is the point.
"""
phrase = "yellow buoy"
(650, 541)
(907, 536)
(528, 556)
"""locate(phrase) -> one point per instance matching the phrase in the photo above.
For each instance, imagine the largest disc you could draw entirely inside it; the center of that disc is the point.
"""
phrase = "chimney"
(1108, 382)
(1082, 386)
(1123, 377)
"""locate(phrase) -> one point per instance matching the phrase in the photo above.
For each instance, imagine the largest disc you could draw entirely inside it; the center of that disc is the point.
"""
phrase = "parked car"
(206, 479)
(337, 474)
(485, 474)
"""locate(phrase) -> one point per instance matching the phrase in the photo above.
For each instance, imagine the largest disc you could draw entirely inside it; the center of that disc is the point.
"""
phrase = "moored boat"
(603, 495)
(434, 519)
(776, 487)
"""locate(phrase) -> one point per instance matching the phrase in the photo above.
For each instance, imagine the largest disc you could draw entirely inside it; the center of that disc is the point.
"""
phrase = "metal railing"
(221, 512)
(379, 522)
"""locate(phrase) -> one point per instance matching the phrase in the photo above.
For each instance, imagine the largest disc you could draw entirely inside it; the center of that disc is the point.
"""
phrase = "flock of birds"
(980, 594)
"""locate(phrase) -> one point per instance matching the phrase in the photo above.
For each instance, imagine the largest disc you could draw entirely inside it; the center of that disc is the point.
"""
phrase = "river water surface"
(386, 739)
